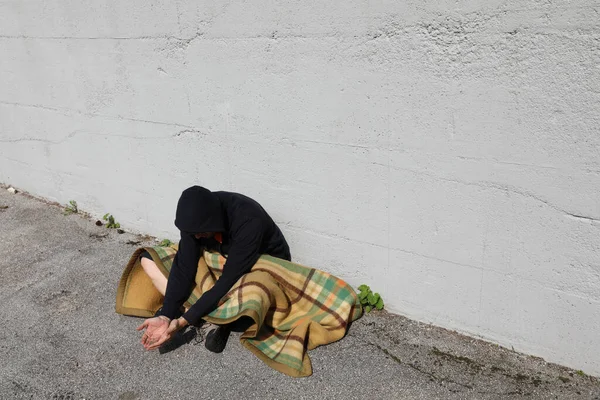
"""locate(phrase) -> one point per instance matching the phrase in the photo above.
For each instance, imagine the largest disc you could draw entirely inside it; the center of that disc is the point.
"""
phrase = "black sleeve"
(244, 252)
(182, 276)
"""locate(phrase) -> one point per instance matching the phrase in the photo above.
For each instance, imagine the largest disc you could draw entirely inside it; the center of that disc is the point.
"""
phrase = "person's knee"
(149, 267)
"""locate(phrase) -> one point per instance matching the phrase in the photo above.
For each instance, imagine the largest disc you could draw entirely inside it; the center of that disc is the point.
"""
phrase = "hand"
(155, 329)
(160, 330)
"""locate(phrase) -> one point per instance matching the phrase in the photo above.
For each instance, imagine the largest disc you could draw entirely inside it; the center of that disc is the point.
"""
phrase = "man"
(231, 223)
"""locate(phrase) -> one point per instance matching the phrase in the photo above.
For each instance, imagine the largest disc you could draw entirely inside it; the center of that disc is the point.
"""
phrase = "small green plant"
(580, 373)
(110, 221)
(368, 299)
(165, 243)
(71, 208)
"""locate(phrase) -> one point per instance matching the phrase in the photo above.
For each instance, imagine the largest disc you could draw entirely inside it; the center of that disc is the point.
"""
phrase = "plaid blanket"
(294, 308)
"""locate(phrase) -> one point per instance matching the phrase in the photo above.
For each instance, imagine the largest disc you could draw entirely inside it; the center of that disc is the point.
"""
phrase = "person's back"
(238, 210)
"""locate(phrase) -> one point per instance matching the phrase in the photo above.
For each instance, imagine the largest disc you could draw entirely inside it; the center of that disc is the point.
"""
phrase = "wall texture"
(445, 152)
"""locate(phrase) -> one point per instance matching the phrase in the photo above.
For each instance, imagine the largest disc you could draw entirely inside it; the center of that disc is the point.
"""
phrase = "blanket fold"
(294, 308)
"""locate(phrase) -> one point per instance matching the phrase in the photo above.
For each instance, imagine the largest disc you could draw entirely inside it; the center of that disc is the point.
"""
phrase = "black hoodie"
(247, 232)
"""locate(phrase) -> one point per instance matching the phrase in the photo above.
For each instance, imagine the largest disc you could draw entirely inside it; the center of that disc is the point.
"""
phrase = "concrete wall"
(445, 152)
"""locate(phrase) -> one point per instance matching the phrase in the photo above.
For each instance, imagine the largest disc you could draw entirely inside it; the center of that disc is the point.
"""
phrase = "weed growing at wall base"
(71, 208)
(110, 221)
(165, 243)
(368, 299)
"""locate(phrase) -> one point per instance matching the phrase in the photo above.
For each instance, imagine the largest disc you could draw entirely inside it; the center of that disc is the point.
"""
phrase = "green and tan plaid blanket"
(294, 308)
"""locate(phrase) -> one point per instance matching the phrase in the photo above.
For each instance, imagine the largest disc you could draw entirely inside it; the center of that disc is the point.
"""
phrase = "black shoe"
(180, 338)
(217, 339)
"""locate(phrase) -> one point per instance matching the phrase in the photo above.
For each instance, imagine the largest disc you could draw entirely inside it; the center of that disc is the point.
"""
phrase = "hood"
(199, 210)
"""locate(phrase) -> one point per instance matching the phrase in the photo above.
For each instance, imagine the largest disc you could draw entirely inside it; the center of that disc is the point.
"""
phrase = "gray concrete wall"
(445, 152)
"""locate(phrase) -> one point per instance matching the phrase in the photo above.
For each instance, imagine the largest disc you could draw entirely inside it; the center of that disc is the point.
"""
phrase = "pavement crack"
(431, 375)
(457, 359)
(387, 352)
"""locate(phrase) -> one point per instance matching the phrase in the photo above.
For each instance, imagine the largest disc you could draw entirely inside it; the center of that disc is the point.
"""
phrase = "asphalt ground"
(60, 337)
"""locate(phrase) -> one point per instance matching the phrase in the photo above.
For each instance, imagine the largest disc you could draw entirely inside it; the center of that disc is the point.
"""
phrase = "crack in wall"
(189, 132)
(389, 247)
(496, 161)
(75, 133)
(293, 142)
(525, 193)
(582, 217)
(33, 139)
(69, 112)
(502, 187)
(382, 33)
(144, 37)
